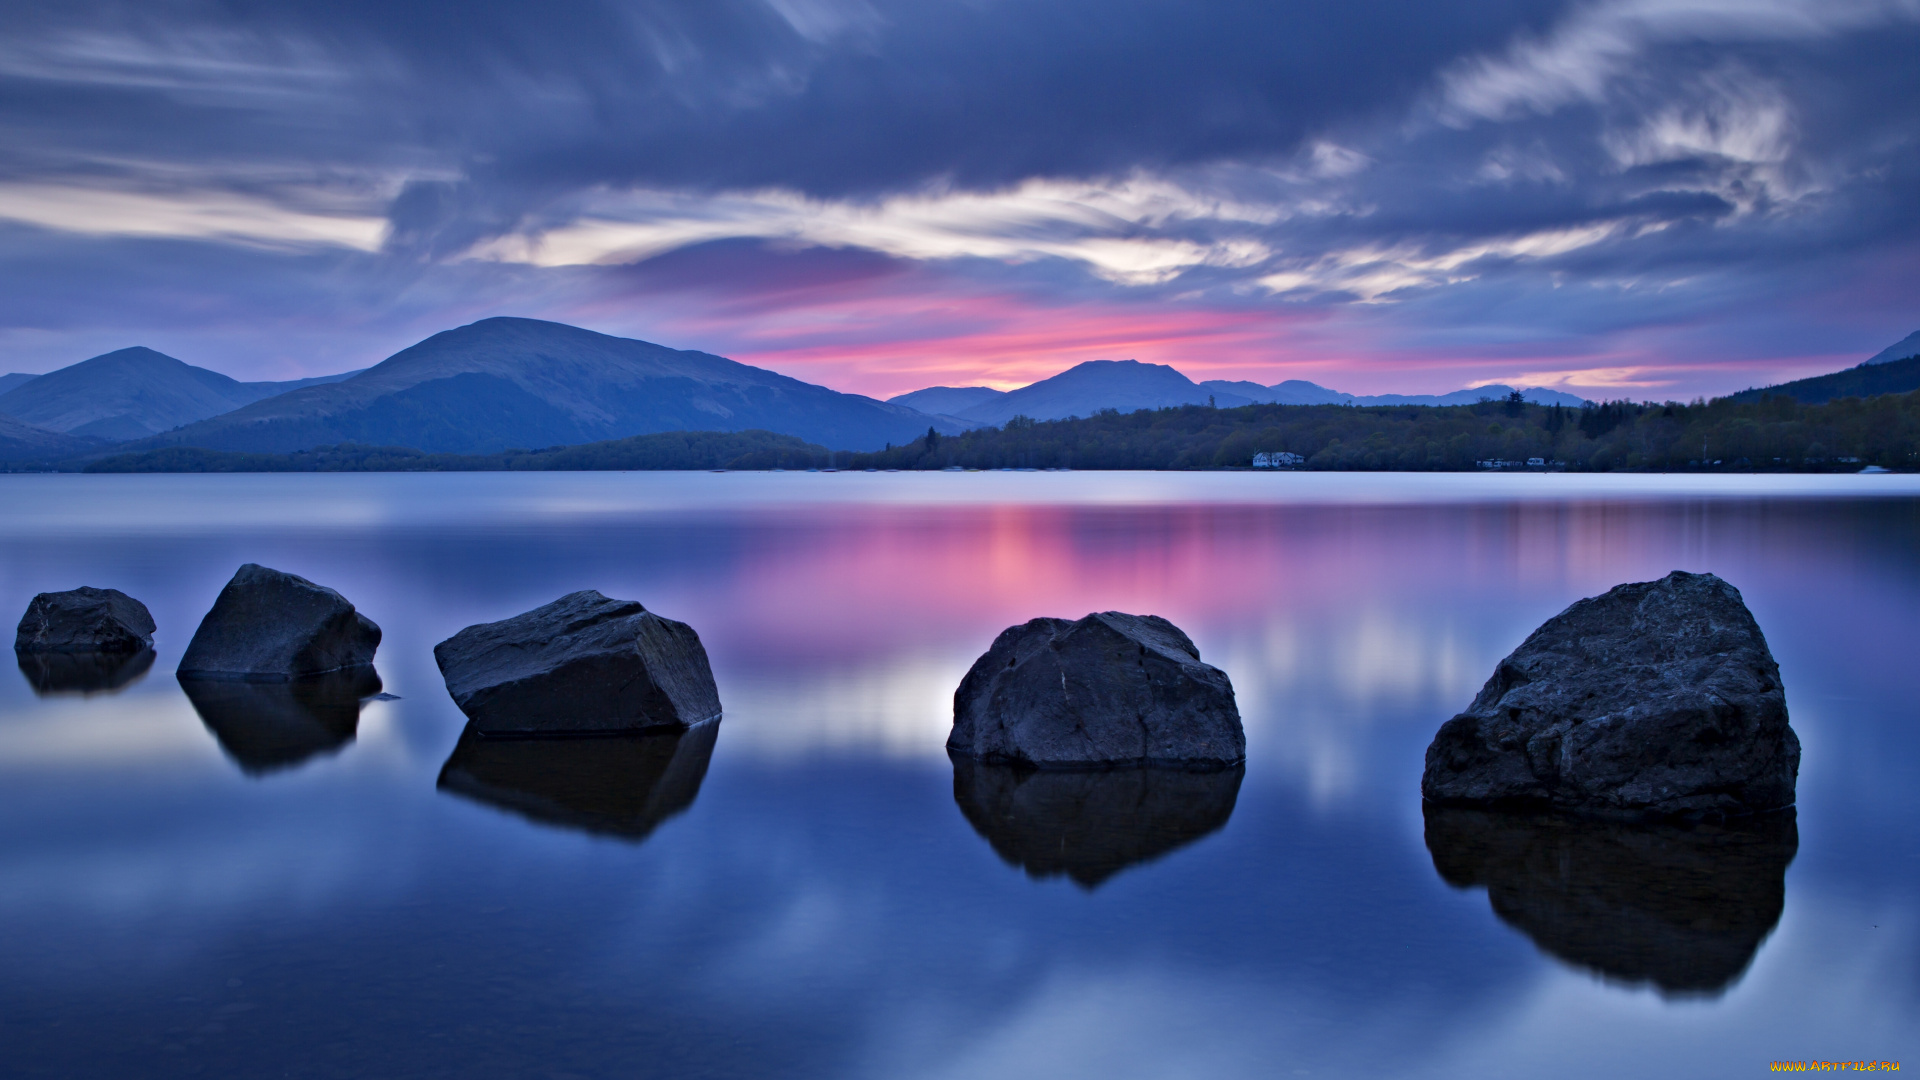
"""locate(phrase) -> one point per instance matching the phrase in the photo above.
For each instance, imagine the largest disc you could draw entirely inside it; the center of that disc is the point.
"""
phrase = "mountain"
(1291, 392)
(13, 379)
(131, 394)
(1907, 346)
(947, 400)
(22, 443)
(502, 383)
(1085, 389)
(1868, 380)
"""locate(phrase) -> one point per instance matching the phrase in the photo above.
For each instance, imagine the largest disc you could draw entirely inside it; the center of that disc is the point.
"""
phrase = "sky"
(1620, 198)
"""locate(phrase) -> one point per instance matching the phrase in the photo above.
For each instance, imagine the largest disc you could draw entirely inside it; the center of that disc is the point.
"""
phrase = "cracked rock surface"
(584, 663)
(1658, 698)
(1108, 690)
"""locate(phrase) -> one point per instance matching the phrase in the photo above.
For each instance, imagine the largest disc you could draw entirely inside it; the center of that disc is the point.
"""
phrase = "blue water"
(817, 904)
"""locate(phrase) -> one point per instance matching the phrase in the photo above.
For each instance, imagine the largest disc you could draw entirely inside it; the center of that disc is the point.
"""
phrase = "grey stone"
(621, 785)
(1111, 689)
(268, 726)
(1090, 825)
(1658, 698)
(584, 663)
(267, 626)
(84, 620)
(84, 673)
(1682, 905)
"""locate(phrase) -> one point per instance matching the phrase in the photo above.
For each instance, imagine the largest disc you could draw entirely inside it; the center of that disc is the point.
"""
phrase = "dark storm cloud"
(1502, 172)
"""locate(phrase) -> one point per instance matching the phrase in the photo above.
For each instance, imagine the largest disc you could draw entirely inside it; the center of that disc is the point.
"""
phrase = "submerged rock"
(583, 663)
(1111, 689)
(621, 785)
(84, 620)
(267, 625)
(1090, 825)
(1658, 698)
(83, 673)
(1681, 905)
(268, 726)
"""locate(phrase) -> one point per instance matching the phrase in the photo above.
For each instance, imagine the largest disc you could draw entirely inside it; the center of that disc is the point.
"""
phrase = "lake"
(810, 890)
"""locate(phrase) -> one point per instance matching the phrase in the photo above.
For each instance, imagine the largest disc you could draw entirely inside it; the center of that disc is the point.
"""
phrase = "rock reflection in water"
(1683, 906)
(267, 726)
(83, 673)
(623, 785)
(1090, 825)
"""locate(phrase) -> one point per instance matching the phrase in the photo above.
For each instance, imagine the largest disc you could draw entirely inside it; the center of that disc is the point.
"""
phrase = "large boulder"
(84, 620)
(584, 663)
(1683, 905)
(616, 785)
(1111, 689)
(1090, 825)
(1658, 698)
(268, 626)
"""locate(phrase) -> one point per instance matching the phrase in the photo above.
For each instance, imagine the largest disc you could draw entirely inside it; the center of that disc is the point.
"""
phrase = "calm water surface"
(315, 888)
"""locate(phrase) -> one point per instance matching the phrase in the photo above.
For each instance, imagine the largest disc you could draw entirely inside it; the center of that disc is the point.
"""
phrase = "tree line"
(1775, 434)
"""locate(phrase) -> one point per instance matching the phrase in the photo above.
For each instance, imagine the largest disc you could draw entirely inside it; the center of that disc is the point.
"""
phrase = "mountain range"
(506, 383)
(501, 383)
(1128, 385)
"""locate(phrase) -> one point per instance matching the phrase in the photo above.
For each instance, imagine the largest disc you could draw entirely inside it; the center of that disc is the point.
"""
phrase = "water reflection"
(1683, 906)
(1090, 825)
(620, 785)
(83, 673)
(265, 727)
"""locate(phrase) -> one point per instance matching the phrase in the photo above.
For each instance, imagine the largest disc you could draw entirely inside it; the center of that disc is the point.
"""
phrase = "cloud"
(1430, 194)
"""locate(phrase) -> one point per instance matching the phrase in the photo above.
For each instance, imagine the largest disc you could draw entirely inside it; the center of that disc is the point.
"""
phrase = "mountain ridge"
(508, 382)
(132, 393)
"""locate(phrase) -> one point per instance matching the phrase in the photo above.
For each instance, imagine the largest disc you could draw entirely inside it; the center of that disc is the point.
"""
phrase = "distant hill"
(131, 394)
(13, 379)
(947, 400)
(1538, 395)
(1871, 379)
(1907, 346)
(1085, 389)
(1128, 385)
(23, 443)
(1290, 392)
(502, 383)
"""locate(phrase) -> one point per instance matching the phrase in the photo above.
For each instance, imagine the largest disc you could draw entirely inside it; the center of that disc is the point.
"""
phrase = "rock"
(267, 625)
(1658, 698)
(1112, 689)
(583, 663)
(1090, 825)
(268, 726)
(620, 785)
(83, 673)
(84, 620)
(1683, 905)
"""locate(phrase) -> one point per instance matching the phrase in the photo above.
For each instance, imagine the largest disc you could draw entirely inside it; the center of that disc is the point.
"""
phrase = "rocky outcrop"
(1111, 689)
(1678, 904)
(1658, 698)
(268, 726)
(84, 620)
(267, 625)
(1090, 825)
(616, 785)
(83, 673)
(584, 663)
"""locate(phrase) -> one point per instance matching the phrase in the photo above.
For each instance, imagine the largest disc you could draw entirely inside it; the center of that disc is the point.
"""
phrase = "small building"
(1279, 459)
